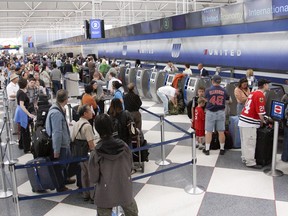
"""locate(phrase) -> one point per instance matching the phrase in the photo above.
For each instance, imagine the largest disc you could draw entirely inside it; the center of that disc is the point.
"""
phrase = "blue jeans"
(165, 101)
(239, 108)
(56, 86)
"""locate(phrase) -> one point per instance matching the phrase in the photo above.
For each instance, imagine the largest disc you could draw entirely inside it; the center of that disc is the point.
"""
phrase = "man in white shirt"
(112, 78)
(167, 93)
(12, 89)
(171, 68)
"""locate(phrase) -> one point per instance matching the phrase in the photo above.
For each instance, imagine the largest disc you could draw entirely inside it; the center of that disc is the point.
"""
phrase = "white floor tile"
(242, 183)
(65, 209)
(25, 158)
(161, 201)
(180, 154)
(178, 118)
(149, 167)
(146, 103)
(147, 125)
(207, 160)
(156, 110)
(281, 208)
(155, 136)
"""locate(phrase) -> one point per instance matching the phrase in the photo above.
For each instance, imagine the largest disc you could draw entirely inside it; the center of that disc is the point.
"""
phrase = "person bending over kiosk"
(110, 166)
(167, 93)
(252, 116)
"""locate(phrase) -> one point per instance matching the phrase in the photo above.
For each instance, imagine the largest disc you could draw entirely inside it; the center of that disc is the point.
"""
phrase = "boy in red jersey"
(199, 123)
(252, 116)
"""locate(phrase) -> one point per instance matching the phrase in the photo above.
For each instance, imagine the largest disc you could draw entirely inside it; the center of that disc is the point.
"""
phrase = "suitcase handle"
(37, 177)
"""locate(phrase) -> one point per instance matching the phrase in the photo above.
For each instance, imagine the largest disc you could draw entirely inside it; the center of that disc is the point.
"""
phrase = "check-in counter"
(130, 77)
(157, 80)
(121, 76)
(276, 92)
(193, 84)
(143, 82)
(169, 79)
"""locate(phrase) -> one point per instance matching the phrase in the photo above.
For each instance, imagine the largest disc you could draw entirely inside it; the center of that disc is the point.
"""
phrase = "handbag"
(79, 148)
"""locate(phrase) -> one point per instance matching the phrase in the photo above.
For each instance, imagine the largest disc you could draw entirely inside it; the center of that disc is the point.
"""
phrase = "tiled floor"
(230, 188)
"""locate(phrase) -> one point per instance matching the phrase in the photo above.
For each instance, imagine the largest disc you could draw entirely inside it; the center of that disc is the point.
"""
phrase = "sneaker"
(222, 151)
(206, 152)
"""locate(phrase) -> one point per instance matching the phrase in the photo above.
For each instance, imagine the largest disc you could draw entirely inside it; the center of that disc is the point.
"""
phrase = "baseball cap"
(216, 79)
(261, 82)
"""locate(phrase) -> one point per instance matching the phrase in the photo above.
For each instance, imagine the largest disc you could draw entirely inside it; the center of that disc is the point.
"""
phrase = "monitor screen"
(277, 110)
(170, 79)
(192, 82)
(139, 73)
(153, 75)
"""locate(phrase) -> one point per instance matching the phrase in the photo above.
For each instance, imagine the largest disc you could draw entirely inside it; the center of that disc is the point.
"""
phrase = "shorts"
(215, 121)
(200, 133)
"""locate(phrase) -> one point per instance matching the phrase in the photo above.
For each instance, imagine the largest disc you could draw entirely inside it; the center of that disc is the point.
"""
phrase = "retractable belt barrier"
(13, 167)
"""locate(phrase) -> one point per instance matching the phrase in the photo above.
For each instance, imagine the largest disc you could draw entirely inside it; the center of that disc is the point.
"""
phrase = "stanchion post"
(15, 190)
(4, 193)
(194, 189)
(162, 161)
(273, 171)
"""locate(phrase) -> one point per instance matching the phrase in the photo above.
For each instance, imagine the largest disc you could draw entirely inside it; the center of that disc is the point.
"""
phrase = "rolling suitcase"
(264, 146)
(234, 131)
(41, 177)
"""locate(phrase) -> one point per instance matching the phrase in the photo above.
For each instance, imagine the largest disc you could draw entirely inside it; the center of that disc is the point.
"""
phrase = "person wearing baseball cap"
(12, 89)
(216, 97)
(252, 116)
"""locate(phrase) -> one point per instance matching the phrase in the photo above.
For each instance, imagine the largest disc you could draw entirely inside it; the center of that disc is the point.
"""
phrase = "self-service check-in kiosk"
(121, 76)
(193, 85)
(143, 82)
(275, 92)
(230, 87)
(130, 77)
(157, 80)
(170, 79)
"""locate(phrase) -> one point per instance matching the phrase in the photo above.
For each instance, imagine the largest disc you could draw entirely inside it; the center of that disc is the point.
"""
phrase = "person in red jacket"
(199, 123)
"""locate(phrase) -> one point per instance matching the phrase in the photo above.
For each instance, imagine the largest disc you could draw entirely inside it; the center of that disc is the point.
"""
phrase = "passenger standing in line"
(133, 103)
(86, 133)
(202, 70)
(44, 75)
(117, 92)
(112, 78)
(216, 97)
(200, 123)
(98, 94)
(56, 78)
(12, 89)
(241, 93)
(194, 103)
(170, 67)
(111, 159)
(57, 128)
(251, 78)
(167, 93)
(251, 118)
(87, 98)
(22, 116)
(187, 70)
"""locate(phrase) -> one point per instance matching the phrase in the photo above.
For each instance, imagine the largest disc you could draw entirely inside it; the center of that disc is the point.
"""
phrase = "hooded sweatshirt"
(110, 166)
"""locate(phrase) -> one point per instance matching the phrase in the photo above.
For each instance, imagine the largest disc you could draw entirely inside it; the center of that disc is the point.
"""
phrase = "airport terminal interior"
(146, 40)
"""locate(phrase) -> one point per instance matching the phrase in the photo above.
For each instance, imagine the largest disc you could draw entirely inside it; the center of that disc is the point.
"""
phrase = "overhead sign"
(211, 17)
(277, 110)
(232, 14)
(280, 8)
(259, 10)
(96, 28)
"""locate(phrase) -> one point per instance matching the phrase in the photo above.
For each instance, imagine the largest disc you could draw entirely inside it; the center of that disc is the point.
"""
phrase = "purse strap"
(80, 129)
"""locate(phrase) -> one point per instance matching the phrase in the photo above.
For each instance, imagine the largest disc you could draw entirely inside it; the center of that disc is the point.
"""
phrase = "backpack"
(120, 126)
(41, 143)
(41, 115)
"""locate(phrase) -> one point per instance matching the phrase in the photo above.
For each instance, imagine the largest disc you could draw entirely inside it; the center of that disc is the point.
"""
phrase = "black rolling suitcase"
(41, 177)
(264, 146)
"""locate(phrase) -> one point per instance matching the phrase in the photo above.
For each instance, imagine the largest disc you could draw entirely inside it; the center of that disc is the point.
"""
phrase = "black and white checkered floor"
(230, 187)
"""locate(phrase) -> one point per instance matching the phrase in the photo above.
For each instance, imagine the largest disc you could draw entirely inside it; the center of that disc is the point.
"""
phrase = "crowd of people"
(26, 79)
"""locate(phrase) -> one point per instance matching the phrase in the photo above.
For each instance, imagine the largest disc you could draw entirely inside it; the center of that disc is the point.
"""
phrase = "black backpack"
(41, 143)
(120, 127)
